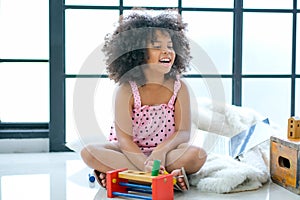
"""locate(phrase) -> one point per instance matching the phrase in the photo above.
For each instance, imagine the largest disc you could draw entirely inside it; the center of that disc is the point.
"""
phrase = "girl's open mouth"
(165, 61)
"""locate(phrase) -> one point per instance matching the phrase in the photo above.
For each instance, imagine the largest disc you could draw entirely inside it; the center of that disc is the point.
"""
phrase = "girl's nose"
(165, 51)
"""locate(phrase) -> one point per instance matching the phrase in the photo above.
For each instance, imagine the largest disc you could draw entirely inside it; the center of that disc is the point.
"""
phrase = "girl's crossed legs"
(103, 158)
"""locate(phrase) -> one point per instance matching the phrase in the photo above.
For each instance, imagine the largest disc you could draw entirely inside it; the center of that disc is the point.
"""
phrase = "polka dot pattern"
(151, 124)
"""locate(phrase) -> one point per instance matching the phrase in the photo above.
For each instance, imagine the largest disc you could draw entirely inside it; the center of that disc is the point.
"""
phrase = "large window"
(248, 50)
(24, 68)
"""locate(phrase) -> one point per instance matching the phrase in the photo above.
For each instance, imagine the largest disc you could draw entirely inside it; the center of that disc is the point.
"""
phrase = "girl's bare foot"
(101, 178)
(181, 179)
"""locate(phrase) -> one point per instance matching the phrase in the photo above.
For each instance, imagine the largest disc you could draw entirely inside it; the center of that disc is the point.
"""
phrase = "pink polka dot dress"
(151, 124)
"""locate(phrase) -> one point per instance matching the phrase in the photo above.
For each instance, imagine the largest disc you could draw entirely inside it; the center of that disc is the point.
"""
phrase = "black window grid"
(55, 130)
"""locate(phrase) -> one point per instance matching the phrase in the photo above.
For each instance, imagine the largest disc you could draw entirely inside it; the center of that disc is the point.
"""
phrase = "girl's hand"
(158, 155)
(149, 166)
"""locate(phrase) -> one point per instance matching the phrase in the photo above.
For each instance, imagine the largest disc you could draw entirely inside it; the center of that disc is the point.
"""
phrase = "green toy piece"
(155, 168)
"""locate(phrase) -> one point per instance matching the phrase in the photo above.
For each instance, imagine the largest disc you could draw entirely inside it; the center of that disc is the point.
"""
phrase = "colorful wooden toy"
(138, 184)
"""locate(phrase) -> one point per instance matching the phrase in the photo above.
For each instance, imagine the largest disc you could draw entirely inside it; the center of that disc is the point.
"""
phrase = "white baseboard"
(24, 145)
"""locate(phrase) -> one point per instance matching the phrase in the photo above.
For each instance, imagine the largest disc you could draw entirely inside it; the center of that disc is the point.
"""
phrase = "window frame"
(56, 129)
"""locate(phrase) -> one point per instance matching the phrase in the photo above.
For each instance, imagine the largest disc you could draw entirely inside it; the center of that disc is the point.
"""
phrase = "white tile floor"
(59, 176)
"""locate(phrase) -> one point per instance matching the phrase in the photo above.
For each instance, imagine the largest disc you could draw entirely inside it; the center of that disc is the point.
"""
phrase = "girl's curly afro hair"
(126, 48)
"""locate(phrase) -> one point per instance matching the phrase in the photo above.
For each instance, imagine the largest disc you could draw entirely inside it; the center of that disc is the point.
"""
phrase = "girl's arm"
(123, 123)
(182, 126)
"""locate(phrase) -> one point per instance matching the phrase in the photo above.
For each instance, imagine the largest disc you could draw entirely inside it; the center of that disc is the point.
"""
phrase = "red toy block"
(112, 182)
(162, 187)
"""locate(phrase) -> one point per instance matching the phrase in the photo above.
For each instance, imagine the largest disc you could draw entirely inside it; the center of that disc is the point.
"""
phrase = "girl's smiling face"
(161, 54)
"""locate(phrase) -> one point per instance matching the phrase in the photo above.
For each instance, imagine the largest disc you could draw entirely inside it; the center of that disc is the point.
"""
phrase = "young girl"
(152, 117)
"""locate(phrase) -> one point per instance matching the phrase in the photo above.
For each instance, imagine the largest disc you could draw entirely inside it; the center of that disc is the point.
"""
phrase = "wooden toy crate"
(285, 163)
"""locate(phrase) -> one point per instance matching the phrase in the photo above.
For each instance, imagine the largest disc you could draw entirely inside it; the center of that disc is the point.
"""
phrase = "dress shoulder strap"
(136, 94)
(177, 86)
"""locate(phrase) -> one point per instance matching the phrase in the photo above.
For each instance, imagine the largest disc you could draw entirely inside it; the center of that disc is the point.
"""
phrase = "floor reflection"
(63, 176)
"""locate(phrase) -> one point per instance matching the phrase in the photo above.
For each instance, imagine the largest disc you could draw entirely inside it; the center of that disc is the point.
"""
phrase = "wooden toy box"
(285, 163)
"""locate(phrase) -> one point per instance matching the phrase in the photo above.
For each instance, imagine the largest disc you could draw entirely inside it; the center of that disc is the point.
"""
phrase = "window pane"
(24, 29)
(297, 101)
(71, 133)
(212, 88)
(267, 43)
(269, 97)
(97, 104)
(298, 45)
(208, 3)
(93, 2)
(85, 31)
(214, 36)
(24, 92)
(153, 3)
(280, 4)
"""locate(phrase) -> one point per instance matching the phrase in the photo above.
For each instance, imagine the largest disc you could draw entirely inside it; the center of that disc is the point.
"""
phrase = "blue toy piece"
(92, 181)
